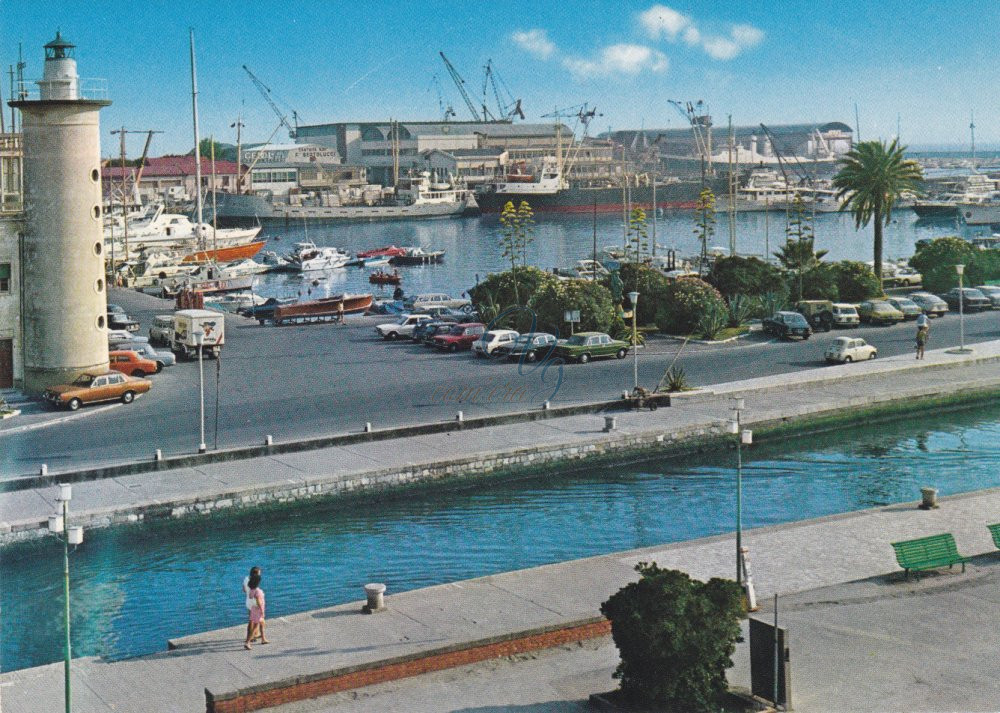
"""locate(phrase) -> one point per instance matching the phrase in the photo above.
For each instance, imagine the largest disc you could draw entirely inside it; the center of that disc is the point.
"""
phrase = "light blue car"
(162, 358)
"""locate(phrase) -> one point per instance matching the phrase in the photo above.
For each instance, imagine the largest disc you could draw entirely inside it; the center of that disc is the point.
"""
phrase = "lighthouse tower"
(64, 299)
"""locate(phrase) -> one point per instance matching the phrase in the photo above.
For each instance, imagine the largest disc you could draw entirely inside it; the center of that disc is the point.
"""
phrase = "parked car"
(161, 331)
(148, 352)
(879, 312)
(402, 327)
(437, 299)
(530, 345)
(431, 330)
(94, 388)
(904, 277)
(847, 349)
(584, 346)
(129, 362)
(819, 313)
(118, 309)
(973, 300)
(450, 313)
(121, 339)
(845, 315)
(992, 292)
(909, 308)
(120, 320)
(421, 330)
(460, 336)
(787, 325)
(932, 305)
(493, 339)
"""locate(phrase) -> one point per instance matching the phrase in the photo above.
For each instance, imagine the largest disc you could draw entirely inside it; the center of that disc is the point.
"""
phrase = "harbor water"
(472, 247)
(133, 587)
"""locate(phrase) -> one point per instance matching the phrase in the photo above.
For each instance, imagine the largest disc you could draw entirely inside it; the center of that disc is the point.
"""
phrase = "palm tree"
(871, 179)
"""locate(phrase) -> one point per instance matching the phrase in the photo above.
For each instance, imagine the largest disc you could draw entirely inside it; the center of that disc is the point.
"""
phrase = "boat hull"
(986, 214)
(935, 210)
(669, 196)
(324, 308)
(227, 254)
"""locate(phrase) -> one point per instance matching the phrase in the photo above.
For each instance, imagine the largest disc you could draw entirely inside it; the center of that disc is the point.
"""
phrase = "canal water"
(134, 587)
(472, 248)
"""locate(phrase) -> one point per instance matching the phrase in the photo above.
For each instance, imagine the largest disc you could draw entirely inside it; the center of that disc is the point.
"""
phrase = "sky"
(928, 65)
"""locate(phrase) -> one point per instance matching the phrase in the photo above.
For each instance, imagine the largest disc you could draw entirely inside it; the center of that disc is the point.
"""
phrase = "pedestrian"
(255, 609)
(922, 334)
(340, 312)
(922, 321)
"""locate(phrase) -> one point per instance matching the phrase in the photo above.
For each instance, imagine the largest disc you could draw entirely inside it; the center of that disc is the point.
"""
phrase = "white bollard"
(928, 498)
(268, 440)
(374, 594)
(43, 469)
(459, 416)
(546, 406)
(748, 589)
(368, 426)
(158, 456)
(610, 424)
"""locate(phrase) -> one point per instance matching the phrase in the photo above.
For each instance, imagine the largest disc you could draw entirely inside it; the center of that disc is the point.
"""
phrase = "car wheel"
(159, 367)
(453, 348)
(848, 359)
(805, 337)
(392, 336)
(652, 405)
(128, 397)
(872, 355)
(74, 404)
(621, 353)
(583, 358)
(531, 357)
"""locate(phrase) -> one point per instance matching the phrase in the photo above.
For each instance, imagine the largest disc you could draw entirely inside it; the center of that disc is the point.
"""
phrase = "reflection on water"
(135, 587)
(472, 248)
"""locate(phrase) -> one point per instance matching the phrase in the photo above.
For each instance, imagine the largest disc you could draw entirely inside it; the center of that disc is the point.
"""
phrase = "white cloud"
(721, 48)
(692, 37)
(747, 36)
(741, 37)
(620, 59)
(535, 42)
(662, 21)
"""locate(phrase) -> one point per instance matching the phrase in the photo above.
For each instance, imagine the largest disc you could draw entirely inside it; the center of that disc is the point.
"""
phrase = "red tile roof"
(173, 166)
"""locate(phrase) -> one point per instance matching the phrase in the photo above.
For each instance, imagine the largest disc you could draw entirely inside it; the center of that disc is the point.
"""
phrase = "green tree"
(676, 637)
(526, 229)
(744, 276)
(649, 283)
(800, 231)
(510, 242)
(704, 219)
(205, 146)
(818, 282)
(597, 311)
(684, 302)
(856, 281)
(936, 261)
(638, 242)
(501, 290)
(871, 179)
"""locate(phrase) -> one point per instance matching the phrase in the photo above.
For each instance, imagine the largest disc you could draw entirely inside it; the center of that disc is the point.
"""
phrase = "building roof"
(505, 129)
(172, 167)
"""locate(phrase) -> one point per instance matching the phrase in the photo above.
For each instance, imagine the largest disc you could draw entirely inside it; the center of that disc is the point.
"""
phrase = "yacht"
(308, 256)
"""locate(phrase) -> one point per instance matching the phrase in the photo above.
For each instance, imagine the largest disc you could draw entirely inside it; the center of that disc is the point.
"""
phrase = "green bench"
(929, 552)
(995, 531)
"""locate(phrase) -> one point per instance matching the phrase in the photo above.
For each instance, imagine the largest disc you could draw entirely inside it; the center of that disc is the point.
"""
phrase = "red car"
(461, 336)
(131, 363)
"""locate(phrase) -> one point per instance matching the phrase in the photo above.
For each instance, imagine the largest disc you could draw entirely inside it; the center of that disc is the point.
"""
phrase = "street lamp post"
(199, 338)
(634, 299)
(960, 269)
(744, 437)
(59, 526)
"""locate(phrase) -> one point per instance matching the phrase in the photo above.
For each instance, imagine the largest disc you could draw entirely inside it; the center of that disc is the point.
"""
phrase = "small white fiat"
(843, 350)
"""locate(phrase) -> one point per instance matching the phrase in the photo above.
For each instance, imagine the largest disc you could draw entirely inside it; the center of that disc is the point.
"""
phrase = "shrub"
(685, 301)
(624, 333)
(495, 294)
(740, 309)
(818, 283)
(713, 321)
(936, 261)
(676, 637)
(597, 311)
(985, 266)
(649, 283)
(769, 303)
(743, 275)
(856, 281)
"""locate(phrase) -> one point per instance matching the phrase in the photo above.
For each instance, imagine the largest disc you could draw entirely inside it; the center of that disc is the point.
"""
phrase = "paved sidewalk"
(786, 559)
(697, 414)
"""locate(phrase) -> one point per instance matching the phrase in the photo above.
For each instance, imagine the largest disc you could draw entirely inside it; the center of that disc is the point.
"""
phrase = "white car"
(844, 350)
(486, 344)
(402, 327)
(845, 315)
(119, 338)
(439, 299)
(161, 331)
(161, 358)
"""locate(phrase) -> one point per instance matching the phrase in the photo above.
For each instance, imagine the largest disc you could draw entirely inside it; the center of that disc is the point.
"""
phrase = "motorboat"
(307, 257)
(418, 256)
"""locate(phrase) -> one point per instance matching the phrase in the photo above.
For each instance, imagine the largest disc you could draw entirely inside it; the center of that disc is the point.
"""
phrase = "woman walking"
(922, 333)
(255, 627)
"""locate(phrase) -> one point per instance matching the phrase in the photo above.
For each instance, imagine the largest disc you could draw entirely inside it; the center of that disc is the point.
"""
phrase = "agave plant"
(769, 303)
(675, 379)
(712, 322)
(625, 334)
(741, 308)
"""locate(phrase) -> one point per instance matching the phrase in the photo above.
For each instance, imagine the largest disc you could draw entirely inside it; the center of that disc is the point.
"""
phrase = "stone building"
(11, 226)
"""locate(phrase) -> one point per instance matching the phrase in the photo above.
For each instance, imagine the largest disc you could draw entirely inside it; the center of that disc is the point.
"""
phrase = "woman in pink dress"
(257, 611)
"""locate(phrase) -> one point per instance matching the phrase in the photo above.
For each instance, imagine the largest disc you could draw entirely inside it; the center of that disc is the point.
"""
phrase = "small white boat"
(235, 301)
(308, 257)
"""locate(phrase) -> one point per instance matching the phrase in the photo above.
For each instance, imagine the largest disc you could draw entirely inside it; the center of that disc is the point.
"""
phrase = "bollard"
(368, 426)
(43, 469)
(268, 440)
(374, 593)
(459, 417)
(610, 423)
(158, 456)
(928, 498)
(546, 406)
(624, 395)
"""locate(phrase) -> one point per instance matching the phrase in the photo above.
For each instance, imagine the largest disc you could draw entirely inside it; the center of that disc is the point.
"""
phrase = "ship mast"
(197, 148)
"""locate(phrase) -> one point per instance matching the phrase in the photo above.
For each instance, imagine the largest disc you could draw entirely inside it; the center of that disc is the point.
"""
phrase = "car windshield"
(576, 339)
(83, 380)
(796, 320)
(905, 303)
(456, 330)
(524, 339)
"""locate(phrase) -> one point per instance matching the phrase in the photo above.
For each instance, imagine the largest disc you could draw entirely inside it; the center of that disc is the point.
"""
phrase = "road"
(308, 381)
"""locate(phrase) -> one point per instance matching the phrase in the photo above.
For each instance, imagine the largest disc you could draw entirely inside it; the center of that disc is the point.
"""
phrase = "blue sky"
(767, 61)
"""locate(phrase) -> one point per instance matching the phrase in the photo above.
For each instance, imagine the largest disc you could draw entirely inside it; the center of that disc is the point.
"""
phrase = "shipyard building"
(11, 227)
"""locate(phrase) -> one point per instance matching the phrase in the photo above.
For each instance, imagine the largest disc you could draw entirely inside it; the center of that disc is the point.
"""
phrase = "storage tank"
(64, 301)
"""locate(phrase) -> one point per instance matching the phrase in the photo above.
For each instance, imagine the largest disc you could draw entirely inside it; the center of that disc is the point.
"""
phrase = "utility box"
(762, 663)
(188, 322)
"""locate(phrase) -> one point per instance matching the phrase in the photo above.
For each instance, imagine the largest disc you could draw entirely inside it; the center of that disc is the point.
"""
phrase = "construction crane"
(507, 109)
(584, 114)
(801, 174)
(697, 116)
(447, 110)
(265, 92)
(460, 83)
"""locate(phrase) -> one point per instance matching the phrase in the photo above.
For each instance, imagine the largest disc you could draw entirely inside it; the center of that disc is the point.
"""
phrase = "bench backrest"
(925, 549)
(995, 531)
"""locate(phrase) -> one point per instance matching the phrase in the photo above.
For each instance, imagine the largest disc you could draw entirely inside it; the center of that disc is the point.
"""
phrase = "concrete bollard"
(610, 424)
(374, 593)
(158, 456)
(459, 416)
(928, 498)
(368, 426)
(43, 469)
(546, 406)
(268, 440)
